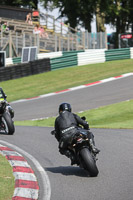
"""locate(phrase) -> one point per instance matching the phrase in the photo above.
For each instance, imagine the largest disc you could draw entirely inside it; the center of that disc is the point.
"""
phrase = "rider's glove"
(86, 126)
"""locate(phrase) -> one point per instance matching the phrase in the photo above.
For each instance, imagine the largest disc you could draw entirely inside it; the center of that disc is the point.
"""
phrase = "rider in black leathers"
(66, 126)
(3, 97)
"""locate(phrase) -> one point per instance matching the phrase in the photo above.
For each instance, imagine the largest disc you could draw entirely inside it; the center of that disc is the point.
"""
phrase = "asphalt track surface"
(115, 161)
(82, 99)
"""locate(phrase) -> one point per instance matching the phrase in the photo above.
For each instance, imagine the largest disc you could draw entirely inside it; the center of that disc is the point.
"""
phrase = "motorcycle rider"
(3, 97)
(66, 126)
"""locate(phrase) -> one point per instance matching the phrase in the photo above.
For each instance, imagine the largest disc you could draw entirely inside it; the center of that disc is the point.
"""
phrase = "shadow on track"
(68, 170)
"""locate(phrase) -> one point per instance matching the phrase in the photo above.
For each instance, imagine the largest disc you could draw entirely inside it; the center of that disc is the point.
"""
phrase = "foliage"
(77, 11)
(115, 12)
(118, 13)
(80, 12)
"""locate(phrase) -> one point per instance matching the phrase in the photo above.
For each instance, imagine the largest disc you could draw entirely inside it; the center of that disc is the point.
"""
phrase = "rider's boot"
(94, 148)
(73, 160)
(71, 155)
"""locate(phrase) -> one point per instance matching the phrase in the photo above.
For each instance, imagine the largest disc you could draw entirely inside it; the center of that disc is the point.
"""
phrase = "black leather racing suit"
(66, 126)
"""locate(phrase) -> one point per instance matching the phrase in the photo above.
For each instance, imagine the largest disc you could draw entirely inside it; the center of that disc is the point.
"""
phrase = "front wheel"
(88, 162)
(8, 124)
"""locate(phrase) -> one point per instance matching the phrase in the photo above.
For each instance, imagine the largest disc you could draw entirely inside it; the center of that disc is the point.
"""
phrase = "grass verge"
(6, 179)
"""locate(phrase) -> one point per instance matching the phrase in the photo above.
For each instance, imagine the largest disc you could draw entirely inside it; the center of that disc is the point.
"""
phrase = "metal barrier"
(117, 54)
(67, 60)
(131, 53)
(50, 55)
(91, 57)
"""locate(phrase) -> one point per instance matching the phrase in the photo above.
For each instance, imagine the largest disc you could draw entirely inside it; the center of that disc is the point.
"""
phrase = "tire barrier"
(25, 69)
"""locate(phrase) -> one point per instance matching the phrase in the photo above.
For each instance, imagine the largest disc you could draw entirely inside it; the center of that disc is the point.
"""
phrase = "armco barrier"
(63, 61)
(91, 57)
(117, 54)
(94, 50)
(9, 61)
(70, 53)
(25, 69)
(50, 55)
(131, 53)
(16, 60)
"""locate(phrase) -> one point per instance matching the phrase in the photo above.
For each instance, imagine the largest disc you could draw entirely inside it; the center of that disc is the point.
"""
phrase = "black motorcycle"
(82, 150)
(6, 118)
(84, 155)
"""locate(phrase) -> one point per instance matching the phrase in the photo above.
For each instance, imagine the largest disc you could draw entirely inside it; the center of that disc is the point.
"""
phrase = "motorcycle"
(82, 150)
(6, 118)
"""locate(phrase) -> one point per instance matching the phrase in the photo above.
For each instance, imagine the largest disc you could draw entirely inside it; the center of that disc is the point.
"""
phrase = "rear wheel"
(8, 124)
(88, 162)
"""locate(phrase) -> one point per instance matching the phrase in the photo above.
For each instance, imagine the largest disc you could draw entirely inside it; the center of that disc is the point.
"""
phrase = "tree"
(100, 20)
(130, 22)
(77, 12)
(118, 13)
(86, 12)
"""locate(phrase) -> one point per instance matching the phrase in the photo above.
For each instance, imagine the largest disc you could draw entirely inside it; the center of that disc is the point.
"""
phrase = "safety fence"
(68, 59)
(56, 60)
(11, 61)
(74, 58)
(117, 54)
(131, 53)
(80, 57)
(50, 55)
(91, 56)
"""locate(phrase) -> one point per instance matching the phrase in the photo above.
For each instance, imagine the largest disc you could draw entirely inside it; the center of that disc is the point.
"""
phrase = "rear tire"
(8, 124)
(88, 162)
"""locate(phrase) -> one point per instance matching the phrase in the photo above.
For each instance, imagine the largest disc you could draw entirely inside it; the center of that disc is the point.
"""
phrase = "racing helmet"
(65, 106)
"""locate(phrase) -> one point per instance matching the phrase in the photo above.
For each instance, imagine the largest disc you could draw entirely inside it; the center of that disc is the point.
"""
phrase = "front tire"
(88, 162)
(8, 124)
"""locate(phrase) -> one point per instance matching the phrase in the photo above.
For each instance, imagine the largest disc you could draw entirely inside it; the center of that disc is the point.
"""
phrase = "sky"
(55, 13)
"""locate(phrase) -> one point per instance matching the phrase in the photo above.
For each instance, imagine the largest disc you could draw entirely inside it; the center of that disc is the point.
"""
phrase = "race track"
(83, 99)
(115, 161)
(115, 179)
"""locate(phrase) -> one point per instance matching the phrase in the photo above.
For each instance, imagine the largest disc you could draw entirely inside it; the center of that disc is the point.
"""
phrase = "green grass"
(7, 182)
(64, 78)
(116, 116)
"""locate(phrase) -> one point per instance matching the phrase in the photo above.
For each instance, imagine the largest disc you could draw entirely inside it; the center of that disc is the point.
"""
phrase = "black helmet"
(65, 106)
